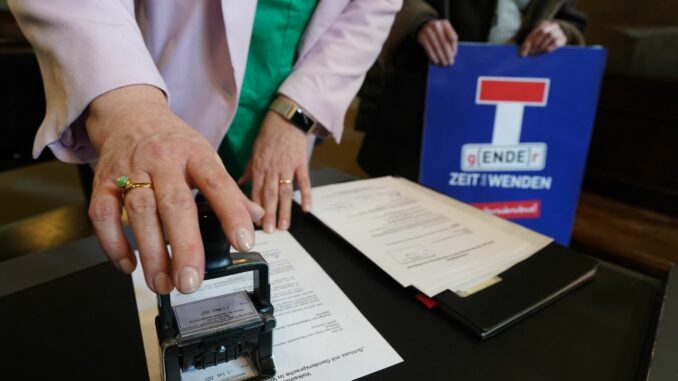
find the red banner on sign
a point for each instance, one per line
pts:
(502, 90)
(512, 209)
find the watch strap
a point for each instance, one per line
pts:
(294, 114)
(283, 108)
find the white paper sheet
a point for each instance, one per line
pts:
(536, 240)
(472, 275)
(320, 334)
(421, 238)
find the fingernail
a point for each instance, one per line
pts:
(268, 227)
(189, 281)
(162, 283)
(244, 239)
(257, 212)
(126, 265)
(283, 225)
(306, 207)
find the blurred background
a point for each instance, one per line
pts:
(628, 211)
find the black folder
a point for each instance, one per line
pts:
(524, 288)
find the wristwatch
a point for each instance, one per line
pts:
(295, 115)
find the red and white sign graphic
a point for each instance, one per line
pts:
(510, 95)
(512, 209)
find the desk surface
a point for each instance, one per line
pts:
(85, 324)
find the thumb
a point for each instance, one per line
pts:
(525, 48)
(247, 175)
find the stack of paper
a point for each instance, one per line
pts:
(320, 334)
(422, 238)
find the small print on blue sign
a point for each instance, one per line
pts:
(510, 135)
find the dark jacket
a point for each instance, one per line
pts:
(392, 98)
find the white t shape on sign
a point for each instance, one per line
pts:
(509, 95)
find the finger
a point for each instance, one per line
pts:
(285, 202)
(449, 52)
(228, 202)
(551, 47)
(544, 37)
(247, 175)
(543, 43)
(257, 190)
(270, 202)
(453, 52)
(255, 210)
(527, 45)
(423, 39)
(429, 51)
(304, 184)
(430, 33)
(436, 43)
(538, 35)
(561, 41)
(143, 218)
(179, 215)
(452, 39)
(105, 212)
(448, 31)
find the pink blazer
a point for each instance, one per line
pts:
(196, 52)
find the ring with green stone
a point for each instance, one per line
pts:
(126, 184)
(122, 182)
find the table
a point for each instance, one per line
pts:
(84, 325)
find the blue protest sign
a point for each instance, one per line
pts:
(510, 135)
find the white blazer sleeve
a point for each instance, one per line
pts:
(328, 76)
(85, 48)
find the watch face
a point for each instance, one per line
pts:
(303, 121)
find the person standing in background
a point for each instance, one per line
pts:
(427, 31)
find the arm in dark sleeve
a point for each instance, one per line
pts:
(401, 41)
(411, 17)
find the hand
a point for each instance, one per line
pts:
(439, 40)
(137, 135)
(545, 38)
(279, 154)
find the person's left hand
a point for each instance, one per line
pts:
(279, 154)
(545, 38)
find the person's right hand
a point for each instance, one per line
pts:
(137, 135)
(439, 40)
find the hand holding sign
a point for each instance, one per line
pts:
(439, 40)
(545, 38)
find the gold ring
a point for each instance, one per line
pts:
(285, 181)
(126, 184)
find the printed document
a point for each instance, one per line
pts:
(320, 334)
(421, 239)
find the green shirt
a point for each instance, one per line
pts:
(278, 27)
